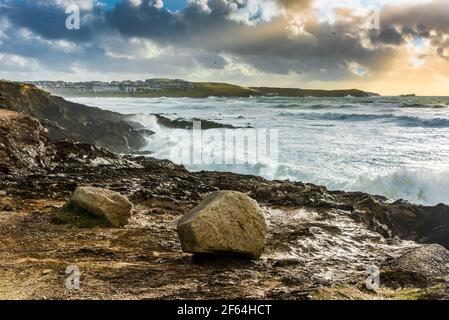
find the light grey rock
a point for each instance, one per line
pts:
(116, 208)
(226, 222)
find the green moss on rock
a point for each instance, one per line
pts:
(73, 215)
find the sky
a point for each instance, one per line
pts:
(173, 5)
(385, 46)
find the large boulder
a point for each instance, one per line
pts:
(226, 222)
(113, 206)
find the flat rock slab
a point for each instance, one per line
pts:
(226, 222)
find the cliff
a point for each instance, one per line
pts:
(67, 120)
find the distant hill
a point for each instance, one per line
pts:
(289, 92)
(182, 88)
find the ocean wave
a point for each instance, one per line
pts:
(404, 121)
(424, 106)
(361, 104)
(177, 145)
(335, 116)
(149, 121)
(422, 186)
(316, 106)
(429, 123)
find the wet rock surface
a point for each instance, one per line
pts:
(188, 124)
(419, 267)
(225, 222)
(74, 153)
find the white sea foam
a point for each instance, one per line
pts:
(421, 186)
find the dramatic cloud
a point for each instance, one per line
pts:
(267, 42)
(296, 4)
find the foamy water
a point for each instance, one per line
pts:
(396, 147)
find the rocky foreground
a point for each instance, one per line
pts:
(319, 242)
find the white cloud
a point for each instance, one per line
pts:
(356, 69)
(63, 45)
(135, 3)
(417, 62)
(255, 11)
(159, 4)
(202, 5)
(59, 45)
(326, 8)
(131, 49)
(16, 63)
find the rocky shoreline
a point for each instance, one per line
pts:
(319, 244)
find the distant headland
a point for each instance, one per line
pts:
(182, 88)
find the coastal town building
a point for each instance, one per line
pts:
(113, 87)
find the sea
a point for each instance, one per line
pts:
(397, 147)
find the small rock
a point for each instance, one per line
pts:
(225, 222)
(47, 271)
(113, 206)
(8, 208)
(3, 167)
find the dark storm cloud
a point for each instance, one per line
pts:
(210, 60)
(268, 47)
(389, 35)
(48, 20)
(429, 15)
(147, 21)
(205, 31)
(426, 20)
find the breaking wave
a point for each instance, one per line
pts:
(422, 186)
